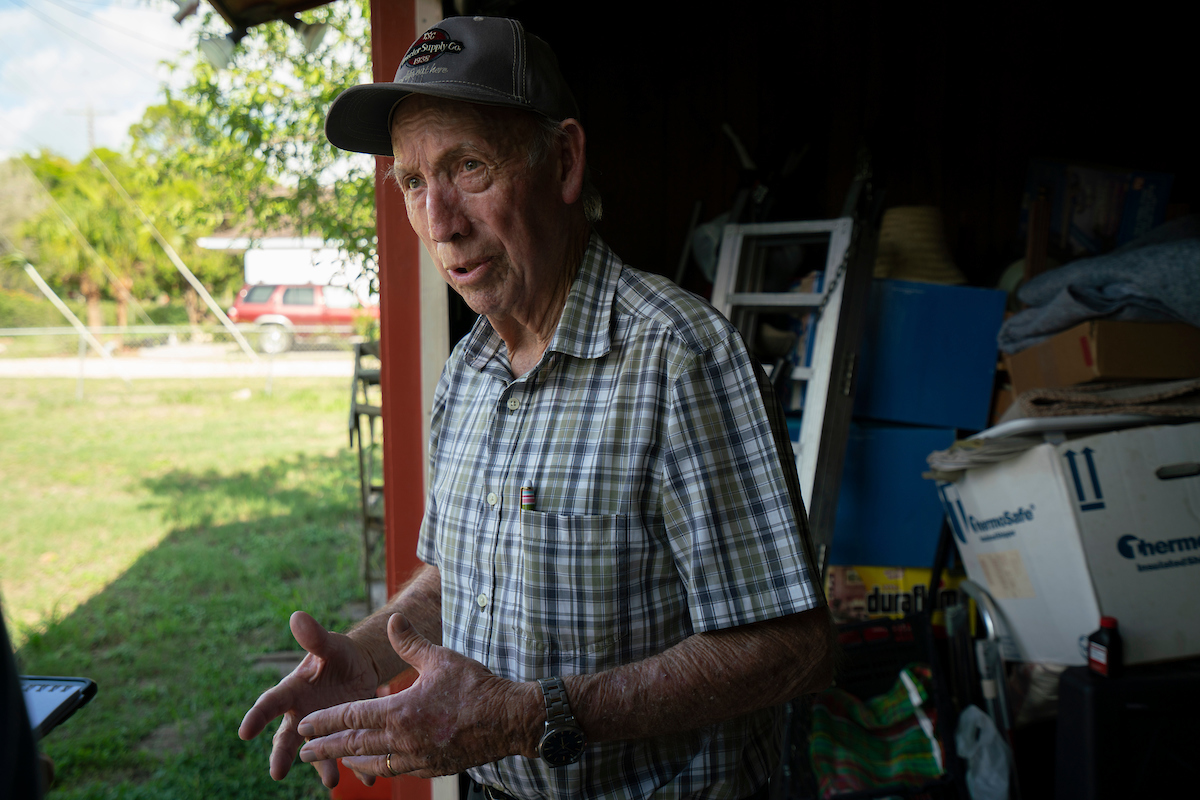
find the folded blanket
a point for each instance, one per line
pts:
(886, 740)
(1155, 278)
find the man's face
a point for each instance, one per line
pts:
(491, 224)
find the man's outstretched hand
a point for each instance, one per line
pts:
(336, 670)
(457, 714)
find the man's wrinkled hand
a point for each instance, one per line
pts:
(334, 671)
(457, 714)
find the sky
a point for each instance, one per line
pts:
(60, 58)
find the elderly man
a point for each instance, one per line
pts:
(618, 592)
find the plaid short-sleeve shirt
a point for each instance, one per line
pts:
(661, 511)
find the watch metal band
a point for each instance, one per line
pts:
(554, 690)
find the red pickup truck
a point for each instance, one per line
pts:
(284, 312)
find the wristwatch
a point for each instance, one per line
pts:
(563, 740)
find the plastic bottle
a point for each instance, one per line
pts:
(1105, 652)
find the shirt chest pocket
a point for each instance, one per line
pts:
(574, 581)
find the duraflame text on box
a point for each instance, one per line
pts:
(1105, 524)
(857, 593)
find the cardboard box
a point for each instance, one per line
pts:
(857, 593)
(887, 513)
(1104, 524)
(1108, 350)
(928, 355)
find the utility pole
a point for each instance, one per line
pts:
(91, 115)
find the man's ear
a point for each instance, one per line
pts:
(572, 160)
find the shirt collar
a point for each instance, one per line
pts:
(585, 325)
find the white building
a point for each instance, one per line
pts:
(291, 259)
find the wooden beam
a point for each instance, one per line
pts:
(393, 29)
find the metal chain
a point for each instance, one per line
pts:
(864, 174)
(841, 270)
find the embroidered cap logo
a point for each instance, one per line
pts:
(433, 44)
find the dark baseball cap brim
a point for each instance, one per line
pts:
(358, 118)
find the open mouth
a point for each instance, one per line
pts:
(469, 267)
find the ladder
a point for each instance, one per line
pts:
(749, 263)
(366, 436)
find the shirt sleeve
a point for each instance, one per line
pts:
(738, 534)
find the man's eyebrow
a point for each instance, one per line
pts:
(459, 152)
(443, 159)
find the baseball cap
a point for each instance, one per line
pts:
(488, 60)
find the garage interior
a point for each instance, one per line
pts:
(948, 106)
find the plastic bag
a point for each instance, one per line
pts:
(986, 753)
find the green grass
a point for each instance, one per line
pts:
(155, 539)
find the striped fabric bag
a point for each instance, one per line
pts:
(887, 740)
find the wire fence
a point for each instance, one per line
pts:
(143, 352)
(197, 341)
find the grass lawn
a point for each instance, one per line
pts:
(155, 538)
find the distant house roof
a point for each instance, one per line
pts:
(236, 241)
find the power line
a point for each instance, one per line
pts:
(55, 24)
(176, 260)
(132, 34)
(111, 3)
(109, 272)
(23, 137)
(36, 83)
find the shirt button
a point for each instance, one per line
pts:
(482, 600)
(492, 498)
(513, 404)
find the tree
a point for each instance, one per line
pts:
(252, 134)
(56, 248)
(237, 148)
(20, 198)
(105, 252)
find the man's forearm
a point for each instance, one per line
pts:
(420, 600)
(707, 678)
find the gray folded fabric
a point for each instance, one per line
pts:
(1154, 279)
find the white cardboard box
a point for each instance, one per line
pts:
(1105, 524)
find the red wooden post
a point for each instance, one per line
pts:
(393, 29)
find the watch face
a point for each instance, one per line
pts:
(562, 746)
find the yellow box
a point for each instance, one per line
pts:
(860, 593)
